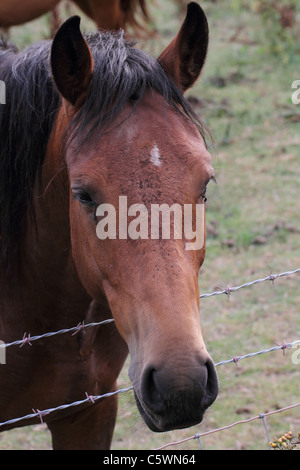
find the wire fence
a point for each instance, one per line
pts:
(27, 339)
(261, 416)
(91, 399)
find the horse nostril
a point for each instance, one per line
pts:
(150, 390)
(211, 386)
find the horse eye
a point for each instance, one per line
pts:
(203, 194)
(84, 198)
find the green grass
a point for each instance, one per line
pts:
(244, 95)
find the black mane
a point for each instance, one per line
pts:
(25, 125)
(121, 73)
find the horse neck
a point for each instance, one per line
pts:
(48, 244)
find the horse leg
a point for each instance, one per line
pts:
(102, 353)
(106, 13)
(89, 429)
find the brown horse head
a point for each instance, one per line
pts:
(132, 144)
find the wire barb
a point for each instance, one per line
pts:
(272, 278)
(284, 346)
(40, 414)
(227, 291)
(234, 359)
(79, 327)
(25, 340)
(91, 398)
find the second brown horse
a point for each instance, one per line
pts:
(107, 14)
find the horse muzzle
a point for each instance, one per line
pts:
(173, 397)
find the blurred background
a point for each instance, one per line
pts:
(253, 215)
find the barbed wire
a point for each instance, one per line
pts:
(248, 420)
(237, 359)
(89, 399)
(95, 398)
(229, 289)
(27, 339)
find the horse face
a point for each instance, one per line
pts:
(150, 156)
(151, 284)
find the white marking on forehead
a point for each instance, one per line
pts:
(155, 157)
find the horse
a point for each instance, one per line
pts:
(107, 14)
(89, 119)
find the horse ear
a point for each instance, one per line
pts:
(184, 58)
(71, 62)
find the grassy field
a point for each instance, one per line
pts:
(253, 216)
